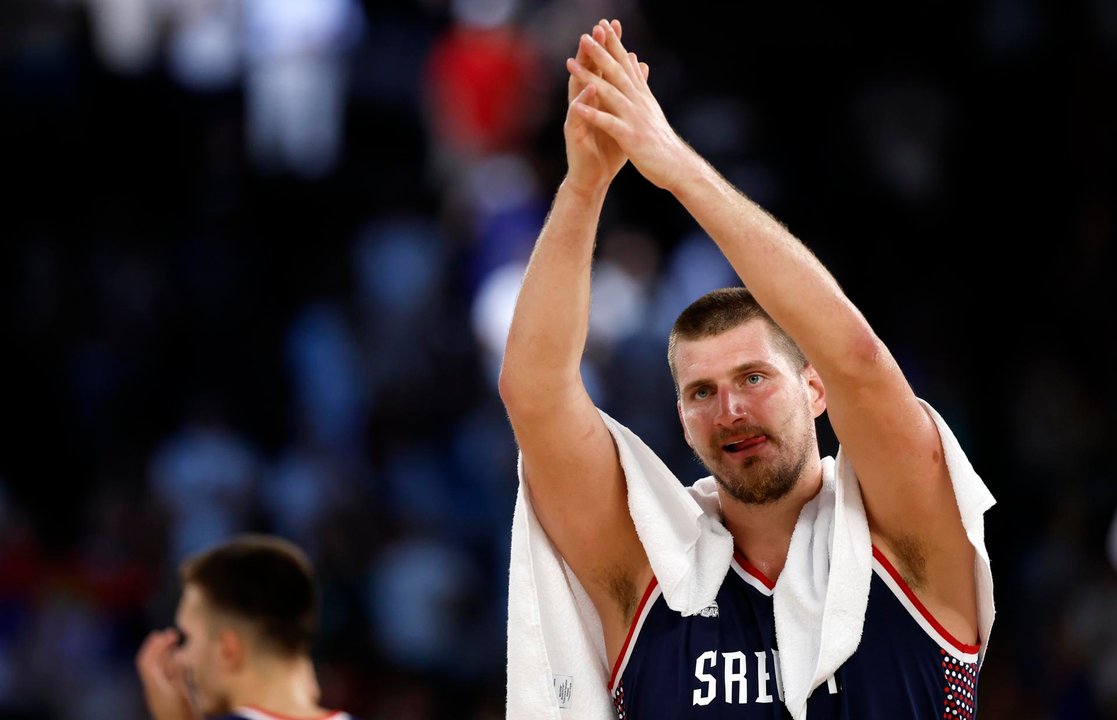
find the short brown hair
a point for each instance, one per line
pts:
(719, 311)
(264, 580)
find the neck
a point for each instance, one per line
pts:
(279, 685)
(763, 532)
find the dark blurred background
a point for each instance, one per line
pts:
(258, 258)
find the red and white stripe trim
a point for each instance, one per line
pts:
(891, 577)
(650, 596)
(253, 712)
(754, 577)
(750, 574)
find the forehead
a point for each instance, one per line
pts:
(751, 342)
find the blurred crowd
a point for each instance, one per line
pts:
(259, 256)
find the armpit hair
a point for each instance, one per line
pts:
(621, 589)
(912, 560)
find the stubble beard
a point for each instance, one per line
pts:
(759, 482)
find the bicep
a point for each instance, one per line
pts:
(894, 446)
(895, 449)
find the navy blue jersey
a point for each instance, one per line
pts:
(724, 663)
(255, 713)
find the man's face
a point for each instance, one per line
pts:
(200, 654)
(747, 411)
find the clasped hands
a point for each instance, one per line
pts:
(614, 117)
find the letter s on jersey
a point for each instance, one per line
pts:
(705, 696)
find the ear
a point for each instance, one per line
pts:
(232, 651)
(815, 389)
(686, 433)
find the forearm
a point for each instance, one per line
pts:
(783, 274)
(550, 323)
(790, 283)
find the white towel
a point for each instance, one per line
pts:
(556, 653)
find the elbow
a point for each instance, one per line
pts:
(517, 390)
(866, 357)
(507, 386)
(531, 393)
(866, 350)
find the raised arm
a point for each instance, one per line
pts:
(892, 442)
(569, 459)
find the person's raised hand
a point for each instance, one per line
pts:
(163, 678)
(593, 157)
(617, 101)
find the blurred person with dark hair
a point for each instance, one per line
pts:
(870, 570)
(246, 621)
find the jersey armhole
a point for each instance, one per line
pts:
(919, 612)
(653, 591)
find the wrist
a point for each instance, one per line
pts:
(587, 191)
(690, 169)
(692, 174)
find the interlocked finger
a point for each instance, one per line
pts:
(612, 44)
(616, 72)
(609, 96)
(574, 86)
(609, 124)
(641, 68)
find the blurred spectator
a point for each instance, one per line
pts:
(399, 271)
(301, 488)
(693, 268)
(492, 313)
(325, 368)
(297, 55)
(204, 48)
(500, 207)
(484, 86)
(622, 289)
(418, 588)
(126, 33)
(205, 476)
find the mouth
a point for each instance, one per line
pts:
(743, 445)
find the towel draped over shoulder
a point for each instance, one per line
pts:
(557, 667)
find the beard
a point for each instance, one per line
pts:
(757, 481)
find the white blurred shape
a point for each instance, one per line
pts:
(492, 312)
(125, 33)
(204, 44)
(485, 14)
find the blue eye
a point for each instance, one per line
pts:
(702, 393)
(753, 379)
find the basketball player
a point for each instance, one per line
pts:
(241, 649)
(753, 369)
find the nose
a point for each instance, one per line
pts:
(731, 407)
